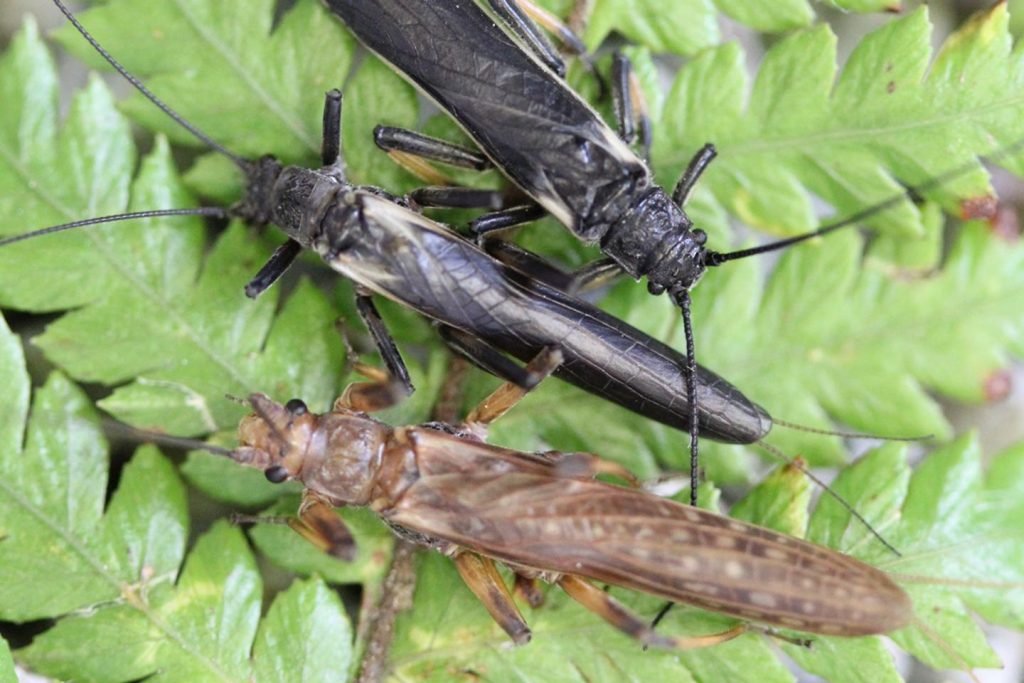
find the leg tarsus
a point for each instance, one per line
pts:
(273, 269)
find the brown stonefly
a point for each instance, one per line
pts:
(547, 518)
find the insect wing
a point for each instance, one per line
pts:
(518, 510)
(546, 138)
(427, 267)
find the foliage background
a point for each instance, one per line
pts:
(838, 349)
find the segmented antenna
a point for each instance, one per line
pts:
(715, 258)
(775, 452)
(848, 435)
(241, 162)
(209, 211)
(165, 439)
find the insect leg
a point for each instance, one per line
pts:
(530, 590)
(506, 218)
(330, 152)
(319, 524)
(481, 577)
(528, 263)
(517, 16)
(274, 268)
(591, 275)
(508, 394)
(411, 150)
(391, 139)
(330, 147)
(698, 164)
(609, 609)
(630, 105)
(386, 387)
(487, 358)
(382, 339)
(594, 274)
(458, 197)
(587, 466)
(553, 25)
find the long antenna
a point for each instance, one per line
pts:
(863, 436)
(715, 258)
(210, 211)
(775, 452)
(165, 439)
(241, 162)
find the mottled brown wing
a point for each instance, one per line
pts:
(513, 507)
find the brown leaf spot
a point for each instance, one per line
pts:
(894, 9)
(974, 208)
(998, 385)
(890, 87)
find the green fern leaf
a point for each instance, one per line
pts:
(124, 605)
(833, 336)
(890, 117)
(255, 89)
(687, 26)
(149, 306)
(7, 672)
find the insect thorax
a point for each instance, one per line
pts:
(654, 239)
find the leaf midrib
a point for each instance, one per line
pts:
(167, 307)
(113, 581)
(809, 145)
(252, 82)
(895, 326)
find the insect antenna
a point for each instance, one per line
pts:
(210, 211)
(797, 463)
(715, 258)
(164, 439)
(848, 435)
(244, 164)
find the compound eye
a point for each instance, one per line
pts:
(275, 474)
(699, 236)
(296, 407)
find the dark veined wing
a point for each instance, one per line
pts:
(420, 264)
(523, 116)
(486, 500)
